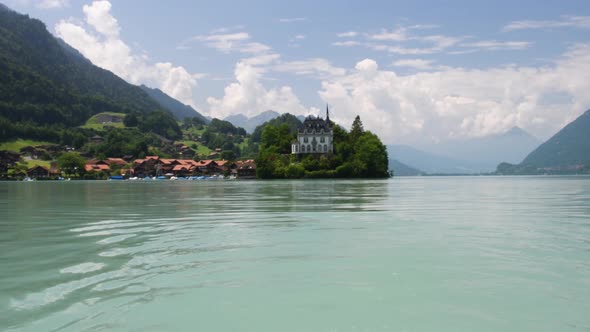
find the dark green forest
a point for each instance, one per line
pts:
(47, 88)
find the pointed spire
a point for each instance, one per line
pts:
(327, 114)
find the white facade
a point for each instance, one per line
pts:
(314, 136)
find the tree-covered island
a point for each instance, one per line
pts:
(319, 148)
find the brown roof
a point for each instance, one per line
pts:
(221, 162)
(38, 166)
(116, 161)
(95, 167)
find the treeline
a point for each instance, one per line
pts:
(357, 154)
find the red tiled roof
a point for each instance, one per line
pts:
(116, 161)
(94, 167)
(167, 161)
(180, 168)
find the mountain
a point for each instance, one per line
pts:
(431, 163)
(401, 169)
(46, 85)
(488, 151)
(178, 109)
(240, 120)
(569, 147)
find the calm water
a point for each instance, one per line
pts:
(408, 254)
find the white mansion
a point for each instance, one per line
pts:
(314, 136)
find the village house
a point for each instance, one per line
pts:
(246, 169)
(38, 172)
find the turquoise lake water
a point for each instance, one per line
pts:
(406, 254)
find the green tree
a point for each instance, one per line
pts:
(71, 163)
(357, 129)
(372, 154)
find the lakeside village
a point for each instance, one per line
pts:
(316, 148)
(314, 137)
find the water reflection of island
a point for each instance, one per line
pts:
(328, 195)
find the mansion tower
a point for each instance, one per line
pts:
(314, 136)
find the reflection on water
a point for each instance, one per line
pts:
(469, 253)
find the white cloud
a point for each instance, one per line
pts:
(347, 43)
(348, 34)
(399, 34)
(317, 67)
(582, 22)
(299, 37)
(224, 42)
(494, 45)
(420, 64)
(261, 60)
(249, 97)
(292, 19)
(457, 102)
(50, 4)
(102, 45)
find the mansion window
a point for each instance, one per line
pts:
(322, 139)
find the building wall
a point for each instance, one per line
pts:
(304, 145)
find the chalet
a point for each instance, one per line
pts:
(38, 172)
(206, 167)
(115, 162)
(150, 166)
(314, 136)
(95, 165)
(246, 169)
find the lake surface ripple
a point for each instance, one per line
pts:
(407, 254)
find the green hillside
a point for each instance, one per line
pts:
(106, 119)
(178, 109)
(566, 152)
(46, 85)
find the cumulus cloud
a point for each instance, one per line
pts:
(99, 41)
(582, 22)
(249, 97)
(457, 102)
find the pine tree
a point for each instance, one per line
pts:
(357, 129)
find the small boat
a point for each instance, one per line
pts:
(117, 177)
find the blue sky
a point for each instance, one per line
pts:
(417, 72)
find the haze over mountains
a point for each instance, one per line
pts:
(240, 120)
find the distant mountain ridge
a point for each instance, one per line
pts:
(483, 154)
(178, 109)
(431, 163)
(401, 169)
(568, 151)
(240, 120)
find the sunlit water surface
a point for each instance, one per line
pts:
(407, 254)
